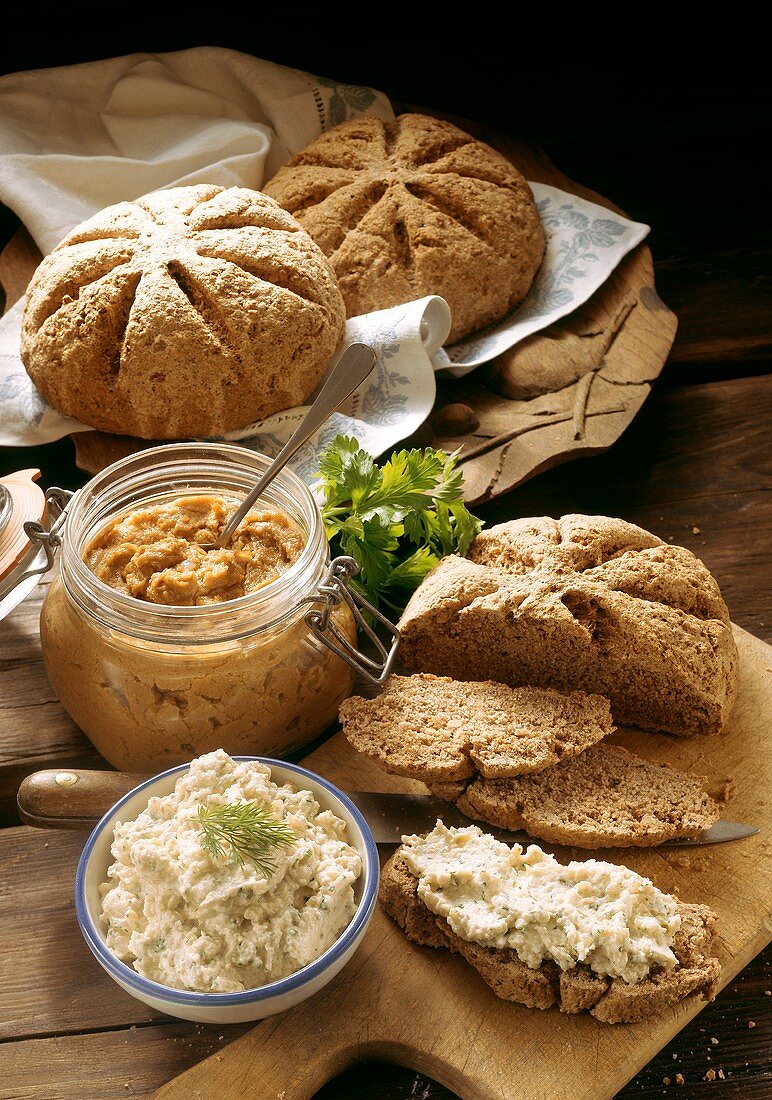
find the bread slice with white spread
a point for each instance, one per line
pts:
(609, 999)
(582, 603)
(441, 730)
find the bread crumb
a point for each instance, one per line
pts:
(710, 1075)
(768, 992)
(721, 1075)
(751, 1023)
(714, 1040)
(679, 1079)
(696, 530)
(665, 1080)
(674, 1057)
(723, 790)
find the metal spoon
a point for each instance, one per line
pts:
(349, 372)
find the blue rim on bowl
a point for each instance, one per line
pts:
(126, 974)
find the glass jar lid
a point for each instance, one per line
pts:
(22, 501)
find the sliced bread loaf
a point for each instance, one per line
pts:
(584, 602)
(441, 730)
(607, 797)
(611, 1000)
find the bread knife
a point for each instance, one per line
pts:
(390, 816)
(73, 798)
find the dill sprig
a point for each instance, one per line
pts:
(246, 830)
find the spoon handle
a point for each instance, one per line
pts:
(349, 372)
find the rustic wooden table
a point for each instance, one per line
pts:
(694, 467)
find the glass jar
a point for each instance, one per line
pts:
(155, 685)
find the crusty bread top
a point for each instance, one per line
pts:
(612, 1001)
(437, 729)
(414, 207)
(584, 602)
(611, 552)
(189, 312)
(607, 797)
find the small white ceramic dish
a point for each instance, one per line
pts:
(252, 1004)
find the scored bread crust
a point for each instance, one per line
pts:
(441, 730)
(606, 797)
(191, 311)
(610, 1000)
(412, 207)
(585, 603)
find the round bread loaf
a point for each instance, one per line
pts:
(583, 603)
(192, 311)
(414, 207)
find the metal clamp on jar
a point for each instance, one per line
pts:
(153, 685)
(24, 512)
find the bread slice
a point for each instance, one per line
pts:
(582, 603)
(607, 797)
(610, 1000)
(441, 730)
(449, 792)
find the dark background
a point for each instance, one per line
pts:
(636, 102)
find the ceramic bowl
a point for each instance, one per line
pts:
(251, 1004)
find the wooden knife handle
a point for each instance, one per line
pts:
(71, 798)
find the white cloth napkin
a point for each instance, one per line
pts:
(75, 139)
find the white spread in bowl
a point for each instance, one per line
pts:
(190, 920)
(608, 917)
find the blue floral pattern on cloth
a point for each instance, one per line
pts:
(343, 101)
(397, 397)
(17, 391)
(585, 242)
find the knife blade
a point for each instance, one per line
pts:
(77, 798)
(392, 815)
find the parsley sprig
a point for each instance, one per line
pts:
(245, 831)
(396, 519)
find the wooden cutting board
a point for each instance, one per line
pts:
(428, 1010)
(587, 375)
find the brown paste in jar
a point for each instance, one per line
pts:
(147, 703)
(157, 554)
